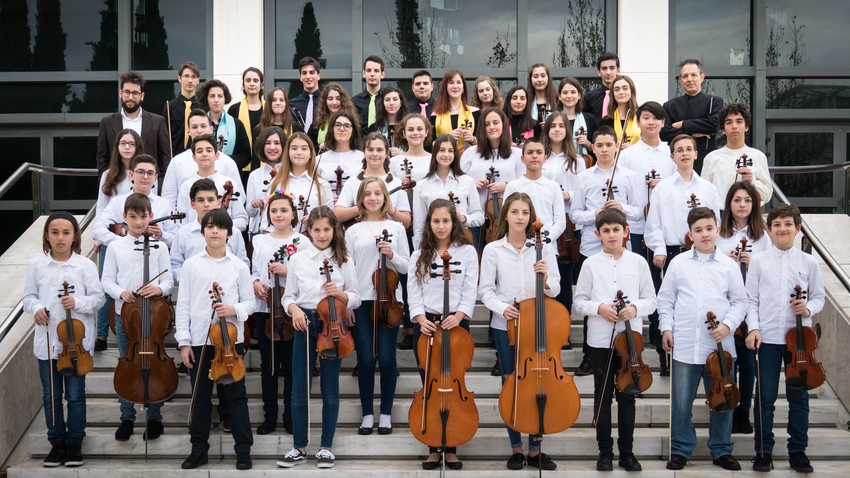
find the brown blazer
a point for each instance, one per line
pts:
(154, 135)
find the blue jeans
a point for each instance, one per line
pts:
(686, 379)
(746, 373)
(387, 339)
(771, 357)
(328, 380)
(506, 353)
(128, 410)
(103, 313)
(75, 393)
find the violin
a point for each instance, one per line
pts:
(539, 397)
(335, 341)
(804, 372)
(339, 181)
(567, 244)
(121, 228)
(386, 308)
(391, 135)
(745, 162)
(404, 187)
(221, 143)
(228, 195)
(302, 204)
(443, 413)
(742, 331)
(407, 167)
(493, 205)
(649, 177)
(146, 374)
(693, 203)
(724, 395)
(279, 325)
(227, 366)
(75, 360)
(609, 191)
(588, 159)
(466, 231)
(634, 376)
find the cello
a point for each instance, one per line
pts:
(75, 360)
(634, 376)
(492, 206)
(693, 203)
(724, 395)
(279, 324)
(385, 310)
(804, 372)
(588, 159)
(335, 341)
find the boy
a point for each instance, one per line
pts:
(602, 276)
(366, 101)
(423, 87)
(544, 192)
(307, 102)
(123, 272)
(205, 154)
(721, 168)
(192, 325)
(696, 283)
(772, 277)
(188, 75)
(596, 101)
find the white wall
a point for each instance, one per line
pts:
(237, 41)
(642, 37)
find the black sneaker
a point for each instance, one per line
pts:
(665, 371)
(584, 368)
(762, 462)
(56, 457)
(74, 452)
(316, 371)
(154, 430)
(605, 462)
(196, 459)
(100, 345)
(243, 460)
(354, 371)
(629, 462)
(267, 427)
(183, 369)
(516, 461)
(224, 424)
(406, 343)
(542, 461)
(798, 460)
(496, 371)
(124, 430)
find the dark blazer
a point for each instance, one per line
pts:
(154, 135)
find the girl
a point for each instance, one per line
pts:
(269, 149)
(571, 99)
(493, 148)
(445, 176)
(343, 145)
(413, 133)
(305, 288)
(280, 213)
(741, 219)
(61, 263)
(388, 114)
(250, 110)
(452, 115)
(278, 113)
(366, 247)
(334, 98)
(508, 274)
(442, 234)
(518, 111)
(625, 104)
(544, 97)
(375, 164)
(299, 177)
(486, 94)
(213, 95)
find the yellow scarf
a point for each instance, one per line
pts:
(632, 129)
(443, 125)
(246, 121)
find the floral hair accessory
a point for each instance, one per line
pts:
(278, 192)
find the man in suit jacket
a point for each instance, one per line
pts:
(150, 126)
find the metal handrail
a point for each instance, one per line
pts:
(816, 168)
(37, 168)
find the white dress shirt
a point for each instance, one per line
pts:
(694, 285)
(600, 278)
(302, 185)
(641, 159)
(719, 169)
(113, 213)
(264, 248)
(555, 168)
(42, 288)
(305, 281)
(771, 279)
(591, 195)
(432, 187)
(189, 241)
(348, 197)
(194, 314)
(509, 169)
(351, 163)
(236, 209)
(725, 245)
(124, 268)
(133, 124)
(182, 166)
(507, 275)
(419, 169)
(548, 202)
(463, 287)
(363, 251)
(667, 222)
(258, 187)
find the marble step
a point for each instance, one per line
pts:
(488, 443)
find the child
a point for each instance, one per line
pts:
(413, 133)
(520, 120)
(192, 327)
(123, 272)
(366, 248)
(602, 276)
(509, 274)
(281, 215)
(442, 234)
(268, 147)
(772, 277)
(697, 282)
(46, 274)
(306, 286)
(343, 147)
(622, 111)
(542, 90)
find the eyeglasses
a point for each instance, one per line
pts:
(134, 94)
(189, 77)
(342, 126)
(143, 173)
(124, 144)
(684, 150)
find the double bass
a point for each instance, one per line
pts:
(386, 310)
(492, 206)
(724, 395)
(335, 341)
(279, 324)
(633, 376)
(693, 203)
(75, 360)
(804, 372)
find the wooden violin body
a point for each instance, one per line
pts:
(491, 210)
(227, 365)
(74, 360)
(724, 395)
(633, 376)
(386, 310)
(588, 159)
(279, 325)
(334, 341)
(804, 372)
(567, 244)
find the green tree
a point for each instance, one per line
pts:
(308, 42)
(48, 54)
(502, 55)
(15, 54)
(407, 37)
(150, 41)
(98, 97)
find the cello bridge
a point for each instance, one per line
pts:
(543, 369)
(145, 353)
(443, 390)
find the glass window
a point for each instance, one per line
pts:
(808, 93)
(803, 149)
(158, 92)
(19, 151)
(566, 34)
(441, 33)
(74, 152)
(738, 90)
(807, 33)
(59, 98)
(165, 34)
(303, 30)
(716, 33)
(58, 36)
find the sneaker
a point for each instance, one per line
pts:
(354, 371)
(224, 424)
(798, 460)
(516, 461)
(406, 343)
(496, 371)
(326, 458)
(542, 461)
(56, 457)
(584, 368)
(154, 430)
(762, 462)
(293, 458)
(74, 452)
(243, 460)
(183, 369)
(124, 430)
(100, 345)
(316, 371)
(195, 459)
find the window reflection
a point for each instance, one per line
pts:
(19, 151)
(807, 33)
(74, 152)
(717, 33)
(303, 29)
(732, 91)
(803, 149)
(566, 34)
(808, 93)
(59, 97)
(167, 33)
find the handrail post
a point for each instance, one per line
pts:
(36, 195)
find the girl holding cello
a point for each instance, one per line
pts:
(61, 265)
(508, 275)
(320, 279)
(442, 233)
(377, 239)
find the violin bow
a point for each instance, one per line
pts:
(314, 175)
(607, 370)
(50, 361)
(198, 373)
(758, 394)
(617, 153)
(308, 376)
(149, 282)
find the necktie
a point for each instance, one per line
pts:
(187, 108)
(309, 119)
(605, 103)
(371, 120)
(423, 109)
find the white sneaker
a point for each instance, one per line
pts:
(326, 458)
(293, 458)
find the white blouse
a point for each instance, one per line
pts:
(432, 187)
(264, 248)
(305, 281)
(508, 169)
(361, 240)
(463, 287)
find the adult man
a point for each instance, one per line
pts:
(423, 87)
(694, 113)
(307, 102)
(596, 101)
(150, 126)
(367, 101)
(188, 75)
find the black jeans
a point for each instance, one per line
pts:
(625, 405)
(282, 368)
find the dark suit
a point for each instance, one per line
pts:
(154, 136)
(698, 114)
